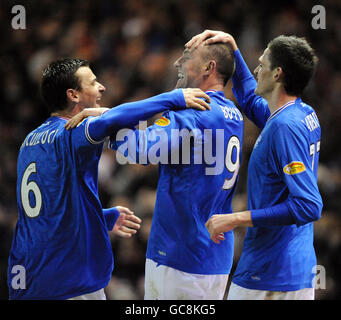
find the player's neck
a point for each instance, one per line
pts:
(279, 98)
(212, 85)
(68, 113)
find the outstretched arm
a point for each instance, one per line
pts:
(244, 84)
(87, 112)
(129, 114)
(160, 143)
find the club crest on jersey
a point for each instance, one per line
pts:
(162, 122)
(294, 167)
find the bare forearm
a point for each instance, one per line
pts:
(221, 223)
(243, 219)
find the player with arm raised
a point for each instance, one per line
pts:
(278, 257)
(61, 237)
(182, 261)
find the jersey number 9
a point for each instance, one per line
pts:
(232, 166)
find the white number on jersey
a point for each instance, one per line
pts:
(231, 166)
(26, 188)
(313, 151)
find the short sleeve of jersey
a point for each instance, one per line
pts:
(291, 158)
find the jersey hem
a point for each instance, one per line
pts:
(269, 287)
(68, 296)
(184, 269)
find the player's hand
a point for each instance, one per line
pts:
(193, 98)
(218, 224)
(79, 117)
(127, 223)
(209, 37)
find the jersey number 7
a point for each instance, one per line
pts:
(313, 151)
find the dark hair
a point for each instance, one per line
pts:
(297, 60)
(57, 78)
(223, 55)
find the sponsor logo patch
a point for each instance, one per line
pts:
(163, 122)
(294, 167)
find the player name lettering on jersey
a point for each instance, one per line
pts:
(312, 122)
(230, 113)
(42, 137)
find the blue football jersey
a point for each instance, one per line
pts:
(61, 237)
(282, 171)
(197, 178)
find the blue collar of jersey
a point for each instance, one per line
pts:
(290, 103)
(215, 91)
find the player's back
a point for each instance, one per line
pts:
(58, 214)
(188, 194)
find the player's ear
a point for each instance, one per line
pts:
(72, 95)
(210, 66)
(278, 74)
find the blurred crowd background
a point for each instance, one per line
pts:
(132, 45)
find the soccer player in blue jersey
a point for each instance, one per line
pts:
(181, 260)
(278, 257)
(61, 247)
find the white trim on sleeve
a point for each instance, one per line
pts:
(87, 135)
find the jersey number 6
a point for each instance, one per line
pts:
(26, 188)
